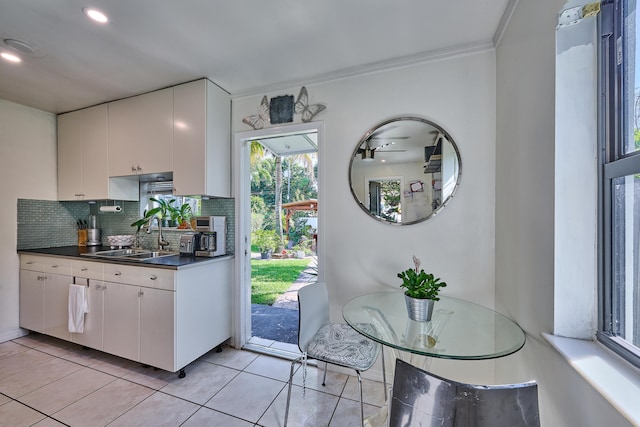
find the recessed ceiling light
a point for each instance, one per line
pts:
(96, 15)
(20, 46)
(10, 57)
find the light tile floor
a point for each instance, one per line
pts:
(46, 382)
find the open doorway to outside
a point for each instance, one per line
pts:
(281, 233)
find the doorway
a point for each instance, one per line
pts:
(285, 149)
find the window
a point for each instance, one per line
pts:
(163, 190)
(619, 315)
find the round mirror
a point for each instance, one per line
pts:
(404, 170)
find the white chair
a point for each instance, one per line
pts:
(334, 343)
(420, 398)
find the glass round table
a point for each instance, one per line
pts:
(458, 329)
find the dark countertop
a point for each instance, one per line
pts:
(85, 253)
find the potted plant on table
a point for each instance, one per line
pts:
(421, 291)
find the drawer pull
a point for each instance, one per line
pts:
(84, 269)
(29, 262)
(118, 274)
(153, 277)
(54, 266)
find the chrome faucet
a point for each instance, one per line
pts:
(161, 242)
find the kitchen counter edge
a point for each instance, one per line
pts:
(172, 262)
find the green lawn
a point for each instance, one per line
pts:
(271, 278)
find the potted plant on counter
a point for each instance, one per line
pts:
(421, 291)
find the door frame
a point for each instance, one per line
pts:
(241, 309)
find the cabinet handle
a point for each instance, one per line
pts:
(29, 262)
(138, 168)
(54, 266)
(140, 293)
(153, 277)
(84, 269)
(79, 194)
(118, 274)
(133, 168)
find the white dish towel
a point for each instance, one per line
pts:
(78, 306)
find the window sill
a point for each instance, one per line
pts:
(616, 380)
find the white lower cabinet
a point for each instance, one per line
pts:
(93, 320)
(44, 297)
(56, 305)
(157, 328)
(121, 332)
(160, 317)
(32, 300)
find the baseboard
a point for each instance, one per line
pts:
(11, 335)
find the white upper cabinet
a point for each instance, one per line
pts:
(185, 129)
(82, 154)
(201, 140)
(141, 134)
(82, 158)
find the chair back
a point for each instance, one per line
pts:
(422, 398)
(313, 304)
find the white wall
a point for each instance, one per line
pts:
(525, 75)
(28, 170)
(364, 255)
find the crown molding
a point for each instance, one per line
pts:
(504, 21)
(370, 68)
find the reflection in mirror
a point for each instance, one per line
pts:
(404, 170)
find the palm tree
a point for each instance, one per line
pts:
(278, 204)
(259, 169)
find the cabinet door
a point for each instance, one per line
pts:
(157, 328)
(189, 138)
(56, 305)
(123, 137)
(92, 335)
(201, 144)
(95, 152)
(121, 321)
(70, 156)
(155, 118)
(32, 300)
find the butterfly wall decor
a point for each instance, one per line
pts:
(301, 107)
(306, 111)
(257, 121)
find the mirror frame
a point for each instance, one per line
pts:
(366, 136)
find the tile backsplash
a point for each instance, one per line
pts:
(47, 223)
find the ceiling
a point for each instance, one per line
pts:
(247, 47)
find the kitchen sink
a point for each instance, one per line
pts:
(131, 254)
